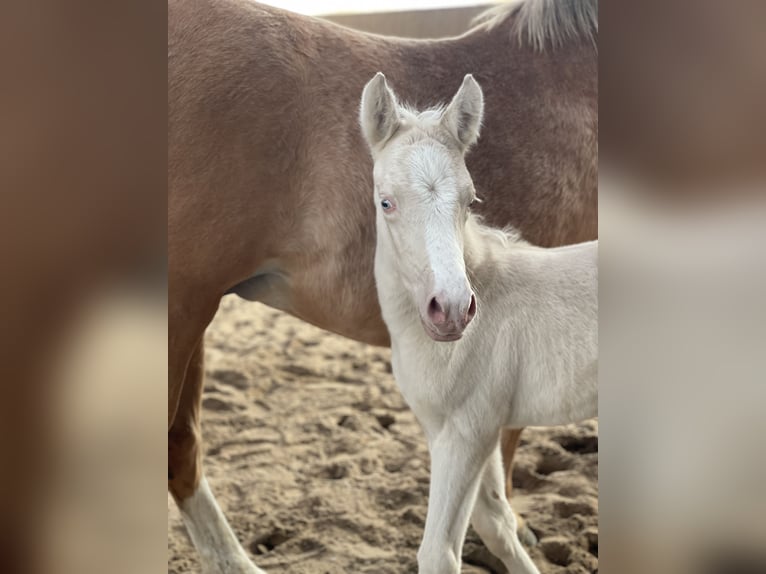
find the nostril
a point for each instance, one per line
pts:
(471, 308)
(436, 311)
(434, 307)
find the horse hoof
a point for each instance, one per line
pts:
(526, 536)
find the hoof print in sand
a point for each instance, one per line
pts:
(385, 420)
(230, 377)
(584, 444)
(567, 508)
(268, 542)
(554, 461)
(219, 405)
(335, 471)
(557, 550)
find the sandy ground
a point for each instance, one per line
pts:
(321, 468)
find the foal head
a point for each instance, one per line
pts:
(422, 194)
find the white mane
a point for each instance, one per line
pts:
(477, 229)
(540, 22)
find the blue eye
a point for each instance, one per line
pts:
(386, 204)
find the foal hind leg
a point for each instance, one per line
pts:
(495, 522)
(509, 442)
(210, 533)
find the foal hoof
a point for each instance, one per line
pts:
(526, 536)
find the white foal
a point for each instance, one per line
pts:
(487, 331)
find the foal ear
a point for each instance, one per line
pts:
(379, 112)
(465, 112)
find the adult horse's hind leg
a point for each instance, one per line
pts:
(495, 522)
(211, 535)
(509, 442)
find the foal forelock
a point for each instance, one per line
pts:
(541, 22)
(423, 123)
(431, 167)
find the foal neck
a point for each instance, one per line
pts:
(485, 244)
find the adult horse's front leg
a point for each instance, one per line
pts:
(218, 547)
(456, 465)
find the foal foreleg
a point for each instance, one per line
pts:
(495, 522)
(456, 464)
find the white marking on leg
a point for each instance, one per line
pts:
(218, 547)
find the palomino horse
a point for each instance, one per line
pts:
(521, 349)
(269, 178)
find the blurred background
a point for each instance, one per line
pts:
(326, 8)
(409, 18)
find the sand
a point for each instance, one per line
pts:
(321, 468)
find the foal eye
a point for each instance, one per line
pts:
(386, 204)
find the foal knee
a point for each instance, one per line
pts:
(437, 561)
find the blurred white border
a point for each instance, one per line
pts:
(316, 7)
